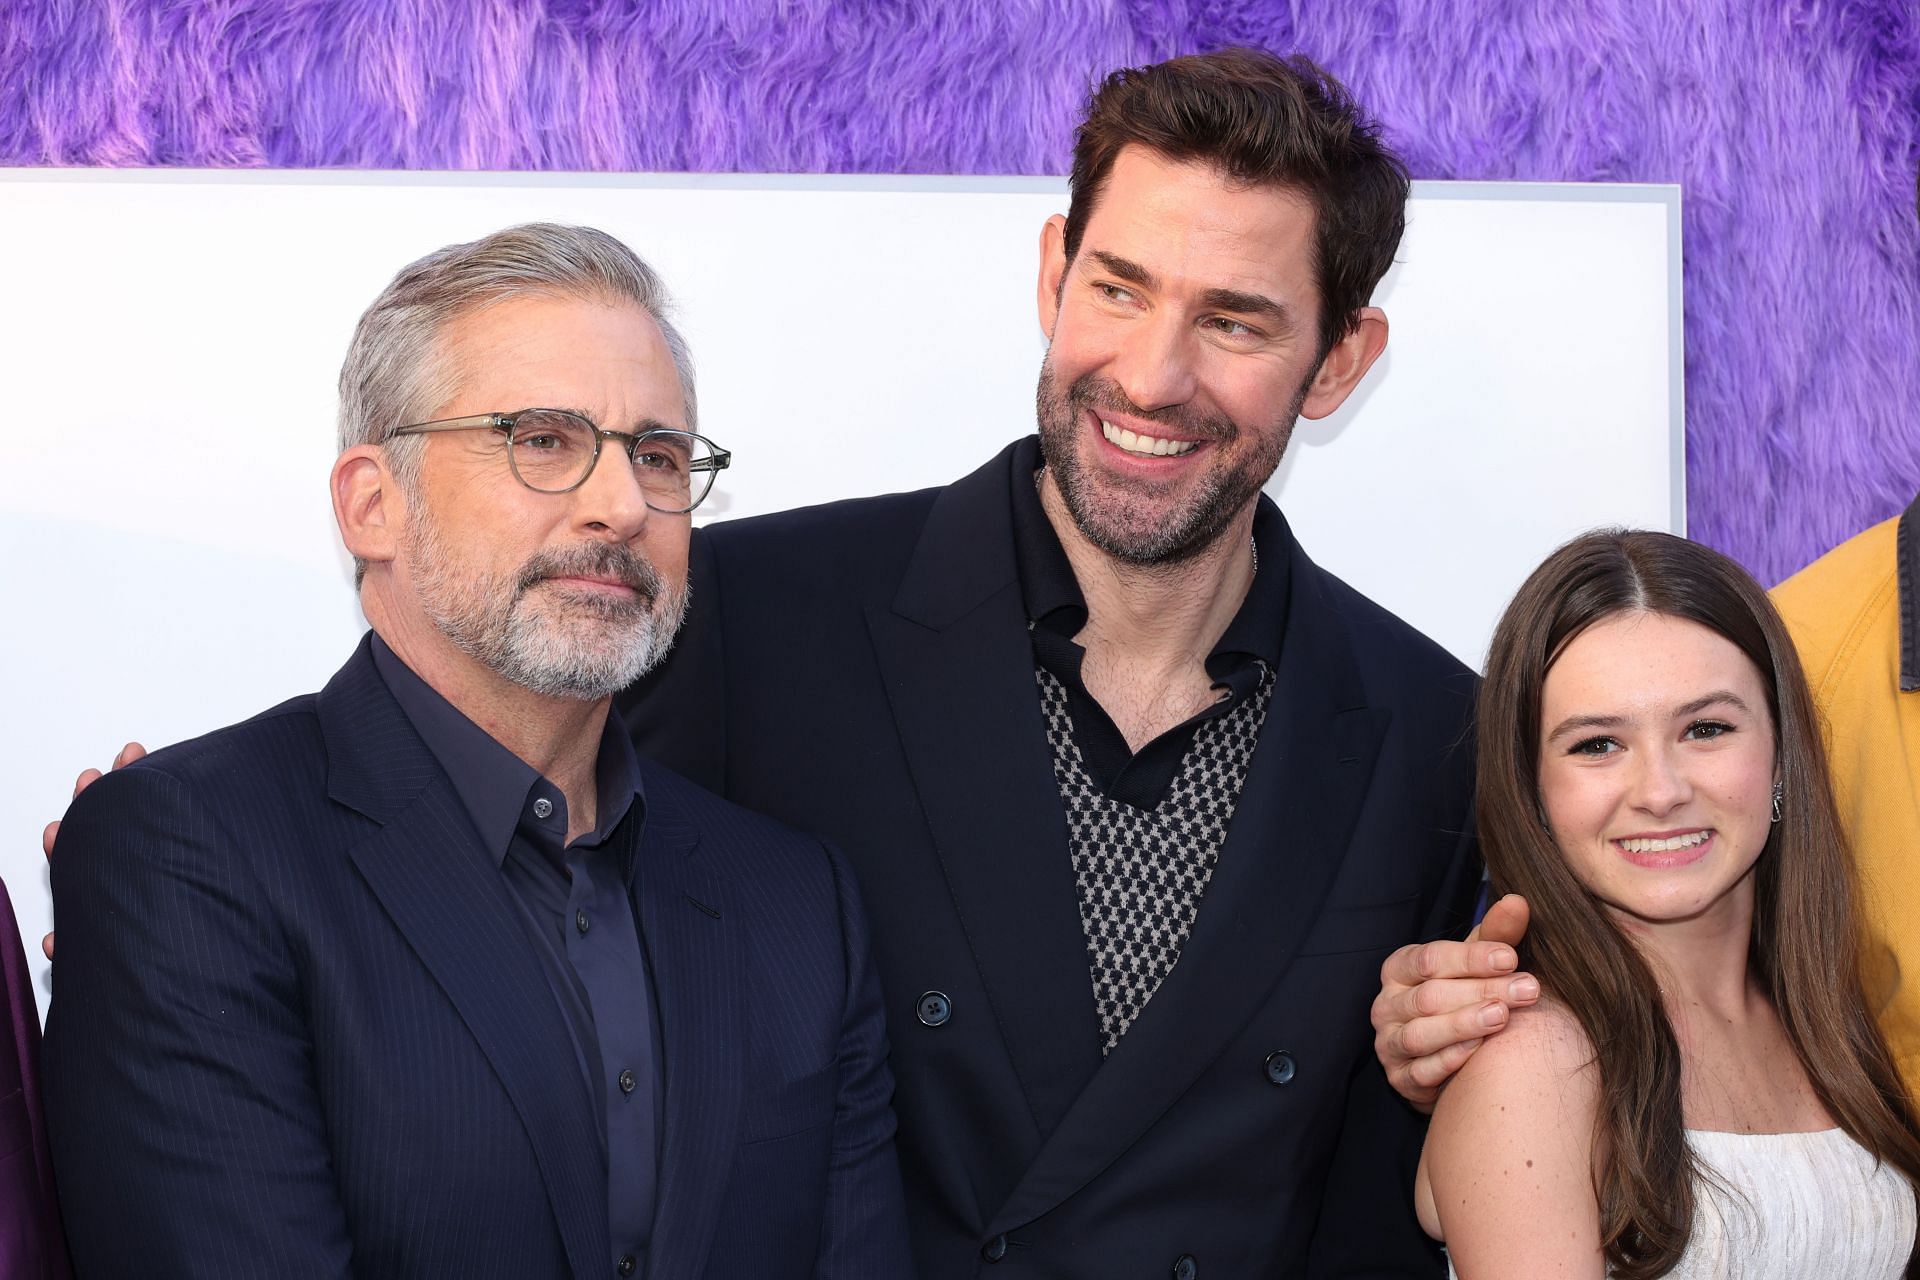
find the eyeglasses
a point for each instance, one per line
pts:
(554, 450)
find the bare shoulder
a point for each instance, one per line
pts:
(1507, 1174)
(1542, 1045)
(1534, 1083)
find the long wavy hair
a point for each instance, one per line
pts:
(1806, 933)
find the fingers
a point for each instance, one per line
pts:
(128, 754)
(1413, 1022)
(1445, 996)
(1419, 1080)
(51, 832)
(1421, 962)
(1423, 1020)
(1426, 1027)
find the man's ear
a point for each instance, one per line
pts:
(366, 503)
(1347, 362)
(1053, 270)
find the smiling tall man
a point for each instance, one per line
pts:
(1138, 795)
(426, 974)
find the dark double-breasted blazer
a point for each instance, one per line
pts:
(863, 670)
(300, 1028)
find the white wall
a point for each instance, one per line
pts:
(169, 344)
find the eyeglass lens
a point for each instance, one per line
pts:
(554, 451)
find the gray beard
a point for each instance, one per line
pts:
(583, 647)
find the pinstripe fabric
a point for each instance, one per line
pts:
(298, 1029)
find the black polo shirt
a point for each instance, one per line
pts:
(1057, 611)
(578, 902)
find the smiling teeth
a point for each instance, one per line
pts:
(1667, 845)
(1147, 446)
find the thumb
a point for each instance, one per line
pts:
(1505, 921)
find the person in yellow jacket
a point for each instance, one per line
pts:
(1855, 618)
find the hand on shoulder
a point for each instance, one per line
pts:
(128, 754)
(1439, 1000)
(1506, 1178)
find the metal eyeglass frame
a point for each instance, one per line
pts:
(720, 460)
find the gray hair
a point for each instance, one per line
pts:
(396, 371)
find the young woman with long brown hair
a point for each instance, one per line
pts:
(1703, 1090)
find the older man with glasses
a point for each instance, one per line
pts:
(426, 974)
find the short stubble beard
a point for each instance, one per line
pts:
(1114, 523)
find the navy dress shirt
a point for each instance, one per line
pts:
(578, 901)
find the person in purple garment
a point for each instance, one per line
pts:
(30, 1243)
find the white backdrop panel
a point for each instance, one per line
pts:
(171, 339)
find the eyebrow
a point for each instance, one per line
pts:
(1718, 697)
(1238, 301)
(1126, 268)
(645, 425)
(1243, 303)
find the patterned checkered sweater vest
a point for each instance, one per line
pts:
(1141, 873)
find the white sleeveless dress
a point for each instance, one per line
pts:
(1808, 1206)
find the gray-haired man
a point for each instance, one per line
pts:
(426, 974)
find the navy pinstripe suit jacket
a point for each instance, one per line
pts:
(299, 1028)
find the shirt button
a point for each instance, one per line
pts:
(543, 808)
(580, 921)
(627, 1265)
(1185, 1268)
(626, 1081)
(1279, 1067)
(933, 1008)
(994, 1249)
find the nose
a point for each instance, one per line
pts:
(1660, 784)
(610, 504)
(1155, 363)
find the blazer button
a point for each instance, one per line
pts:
(1279, 1067)
(934, 1009)
(627, 1266)
(994, 1249)
(1185, 1268)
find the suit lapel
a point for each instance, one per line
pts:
(958, 666)
(1303, 795)
(694, 957)
(460, 919)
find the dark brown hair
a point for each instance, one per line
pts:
(1806, 936)
(1260, 120)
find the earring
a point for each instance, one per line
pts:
(1779, 794)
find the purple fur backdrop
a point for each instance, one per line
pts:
(1793, 126)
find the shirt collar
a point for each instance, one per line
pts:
(493, 784)
(1054, 600)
